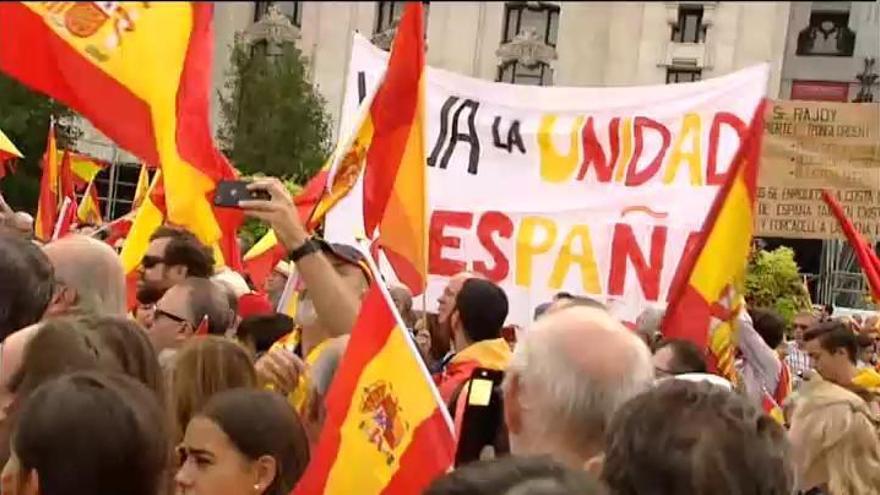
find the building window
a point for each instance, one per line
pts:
(689, 28)
(828, 34)
(542, 17)
(389, 12)
(116, 188)
(678, 75)
(517, 73)
(293, 11)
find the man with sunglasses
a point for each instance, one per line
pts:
(182, 310)
(173, 256)
(797, 358)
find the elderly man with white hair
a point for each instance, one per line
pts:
(89, 277)
(569, 375)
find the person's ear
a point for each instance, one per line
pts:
(595, 464)
(63, 298)
(512, 408)
(454, 321)
(177, 272)
(265, 470)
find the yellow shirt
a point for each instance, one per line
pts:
(868, 379)
(298, 397)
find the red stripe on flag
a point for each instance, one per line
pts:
(358, 354)
(68, 190)
(414, 474)
(32, 53)
(755, 136)
(311, 194)
(858, 243)
(259, 267)
(194, 139)
(393, 112)
(195, 142)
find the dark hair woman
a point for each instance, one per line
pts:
(128, 342)
(243, 442)
(88, 434)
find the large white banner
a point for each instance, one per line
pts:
(592, 191)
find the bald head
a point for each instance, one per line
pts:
(446, 302)
(90, 276)
(23, 223)
(569, 375)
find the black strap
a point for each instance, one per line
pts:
(307, 248)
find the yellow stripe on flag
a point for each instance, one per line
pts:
(147, 219)
(266, 243)
(142, 187)
(7, 148)
(729, 241)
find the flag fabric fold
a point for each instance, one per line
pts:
(141, 73)
(705, 302)
(47, 204)
(386, 432)
(863, 250)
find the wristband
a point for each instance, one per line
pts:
(308, 247)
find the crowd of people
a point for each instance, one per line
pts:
(202, 388)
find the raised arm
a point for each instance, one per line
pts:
(336, 304)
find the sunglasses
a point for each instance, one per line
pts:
(172, 317)
(151, 261)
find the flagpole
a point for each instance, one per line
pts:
(62, 215)
(377, 279)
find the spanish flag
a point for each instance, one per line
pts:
(863, 249)
(83, 167)
(141, 73)
(8, 152)
(89, 211)
(386, 432)
(47, 205)
(390, 140)
(704, 304)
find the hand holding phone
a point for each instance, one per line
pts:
(278, 210)
(230, 193)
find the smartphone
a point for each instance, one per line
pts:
(230, 192)
(482, 423)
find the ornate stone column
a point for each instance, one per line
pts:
(528, 49)
(274, 29)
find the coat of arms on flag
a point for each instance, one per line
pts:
(383, 424)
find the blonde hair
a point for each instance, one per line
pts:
(203, 367)
(841, 438)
